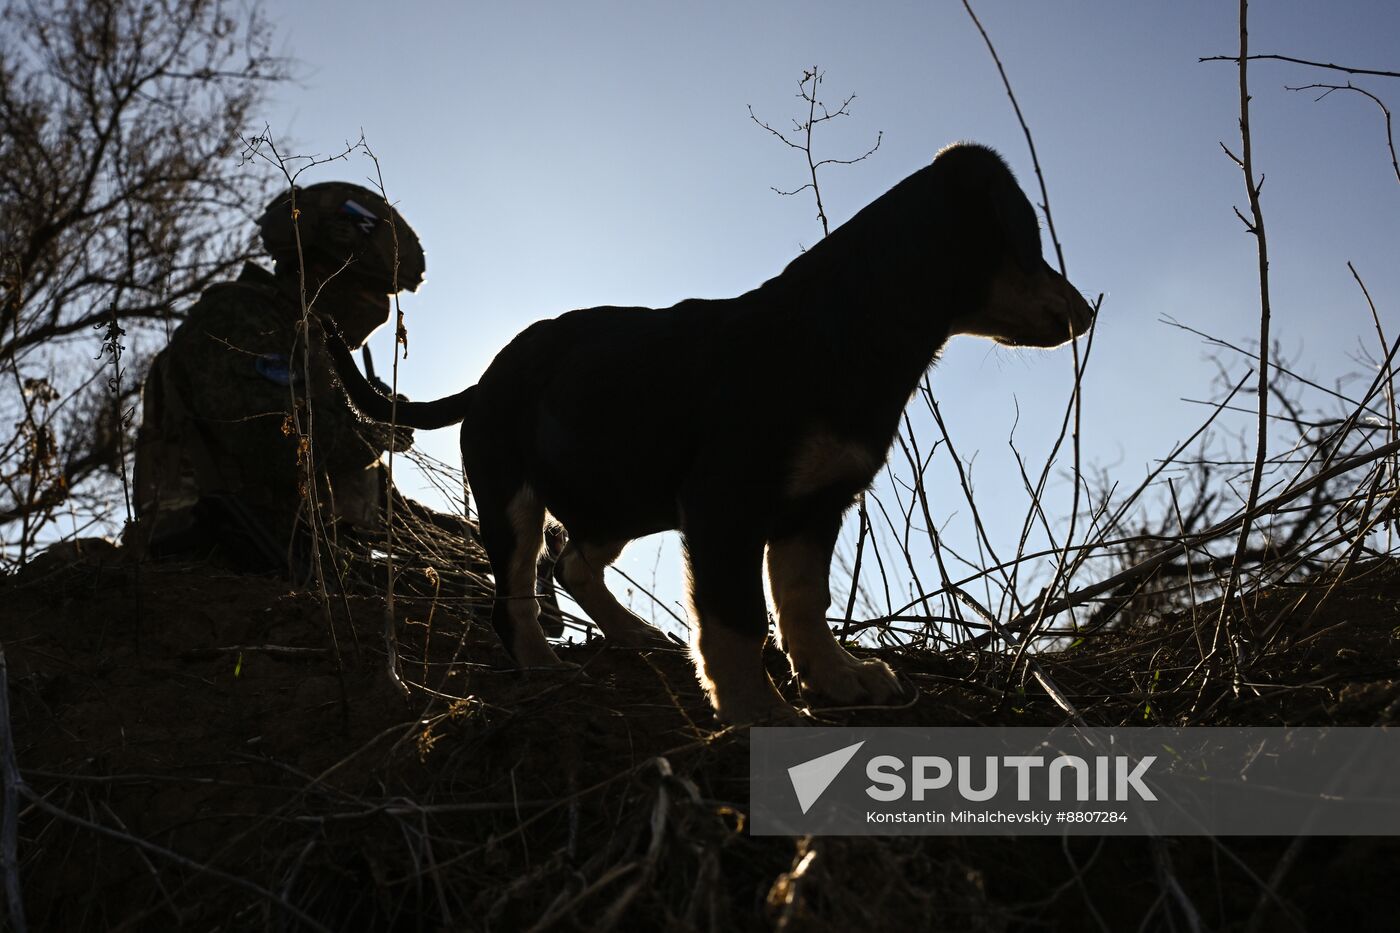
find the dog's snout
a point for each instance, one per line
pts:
(1036, 309)
(1078, 312)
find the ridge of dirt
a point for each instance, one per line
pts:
(214, 771)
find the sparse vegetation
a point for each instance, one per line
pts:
(231, 770)
(118, 120)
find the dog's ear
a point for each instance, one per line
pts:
(989, 205)
(1016, 220)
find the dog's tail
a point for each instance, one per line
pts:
(376, 406)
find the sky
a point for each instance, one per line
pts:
(554, 156)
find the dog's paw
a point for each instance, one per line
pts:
(532, 652)
(849, 681)
(751, 703)
(767, 714)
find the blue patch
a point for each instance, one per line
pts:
(360, 216)
(274, 367)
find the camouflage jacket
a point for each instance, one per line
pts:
(231, 407)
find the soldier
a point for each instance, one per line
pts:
(221, 466)
(220, 469)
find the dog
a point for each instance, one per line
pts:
(751, 424)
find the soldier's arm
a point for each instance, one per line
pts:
(248, 372)
(346, 423)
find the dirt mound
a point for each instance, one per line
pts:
(210, 751)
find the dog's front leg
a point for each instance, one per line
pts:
(799, 567)
(731, 623)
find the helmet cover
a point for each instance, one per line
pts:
(339, 223)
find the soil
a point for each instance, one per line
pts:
(222, 752)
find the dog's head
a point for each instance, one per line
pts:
(990, 231)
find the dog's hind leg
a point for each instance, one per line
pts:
(799, 567)
(731, 623)
(512, 530)
(551, 616)
(581, 569)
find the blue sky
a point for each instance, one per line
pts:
(562, 155)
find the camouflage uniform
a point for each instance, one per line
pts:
(219, 461)
(218, 421)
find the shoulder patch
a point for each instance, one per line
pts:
(274, 367)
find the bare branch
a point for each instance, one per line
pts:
(807, 91)
(1256, 227)
(1389, 132)
(1030, 143)
(1301, 61)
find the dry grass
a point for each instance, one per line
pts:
(210, 778)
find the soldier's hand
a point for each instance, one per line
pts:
(403, 437)
(402, 434)
(379, 434)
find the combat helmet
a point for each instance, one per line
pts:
(339, 221)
